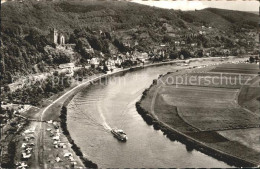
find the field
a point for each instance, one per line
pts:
(210, 98)
(210, 79)
(225, 116)
(247, 137)
(217, 112)
(237, 68)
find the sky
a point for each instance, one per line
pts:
(239, 5)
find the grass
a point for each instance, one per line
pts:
(247, 137)
(32, 113)
(211, 115)
(204, 108)
(194, 106)
(242, 151)
(249, 98)
(237, 68)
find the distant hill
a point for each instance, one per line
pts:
(26, 24)
(254, 12)
(109, 15)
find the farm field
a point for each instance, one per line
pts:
(219, 80)
(217, 112)
(247, 137)
(249, 98)
(237, 68)
(225, 116)
(212, 101)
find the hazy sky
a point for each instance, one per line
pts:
(196, 4)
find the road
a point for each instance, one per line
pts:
(41, 126)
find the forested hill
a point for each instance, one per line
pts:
(26, 24)
(113, 15)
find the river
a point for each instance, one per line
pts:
(110, 103)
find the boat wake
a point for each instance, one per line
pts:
(106, 126)
(104, 123)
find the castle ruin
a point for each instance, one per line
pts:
(57, 37)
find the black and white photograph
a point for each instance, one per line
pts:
(129, 84)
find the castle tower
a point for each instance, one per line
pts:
(53, 36)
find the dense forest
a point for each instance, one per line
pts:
(25, 26)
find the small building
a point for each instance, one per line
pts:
(193, 44)
(68, 68)
(94, 62)
(118, 61)
(177, 43)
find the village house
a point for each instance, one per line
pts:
(94, 62)
(177, 43)
(67, 68)
(144, 57)
(111, 64)
(118, 61)
(127, 44)
(225, 51)
(193, 44)
(202, 32)
(141, 56)
(89, 50)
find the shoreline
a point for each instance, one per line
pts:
(72, 92)
(190, 142)
(63, 123)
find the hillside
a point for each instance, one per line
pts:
(111, 15)
(25, 27)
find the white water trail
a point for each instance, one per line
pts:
(104, 123)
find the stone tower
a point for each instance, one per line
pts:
(54, 35)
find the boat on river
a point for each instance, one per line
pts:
(119, 134)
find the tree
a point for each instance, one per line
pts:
(251, 59)
(6, 88)
(189, 40)
(200, 53)
(167, 39)
(81, 45)
(56, 73)
(174, 55)
(119, 45)
(186, 54)
(9, 113)
(36, 39)
(8, 77)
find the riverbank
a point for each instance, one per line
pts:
(44, 151)
(87, 163)
(85, 84)
(156, 110)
